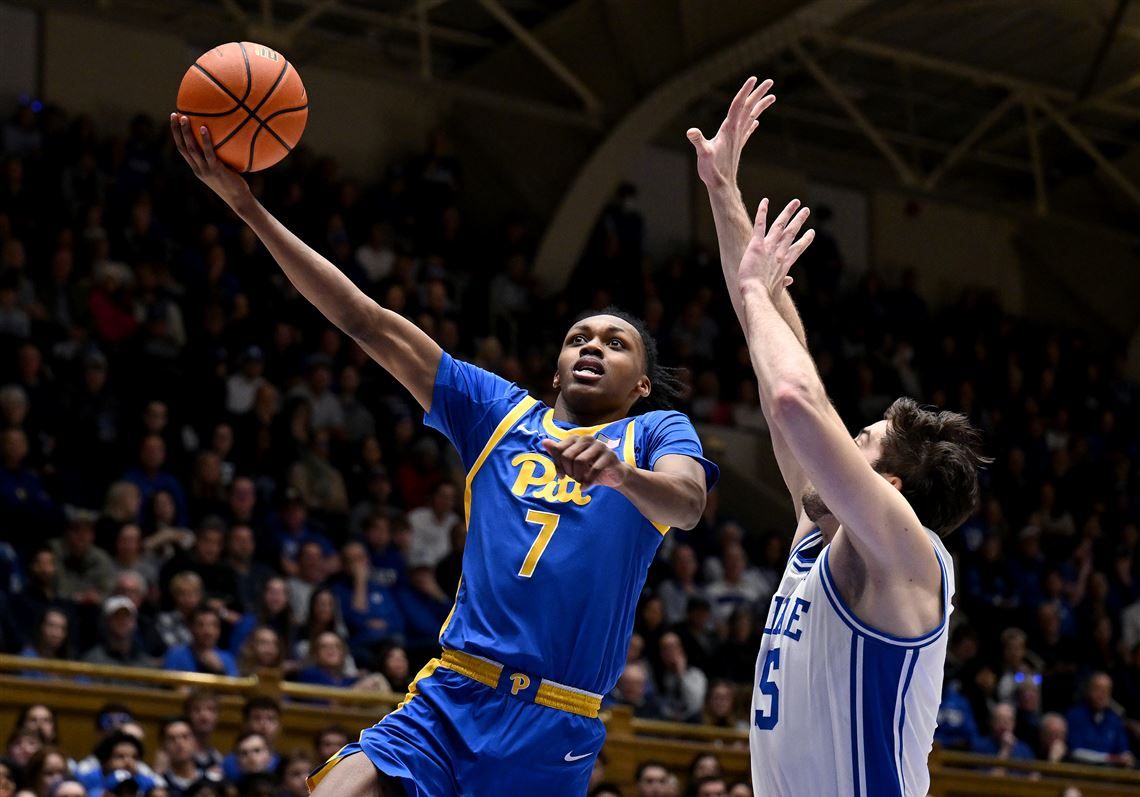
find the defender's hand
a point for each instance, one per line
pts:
(771, 253)
(204, 162)
(718, 158)
(586, 460)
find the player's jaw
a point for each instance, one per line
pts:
(601, 369)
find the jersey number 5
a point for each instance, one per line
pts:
(549, 522)
(767, 721)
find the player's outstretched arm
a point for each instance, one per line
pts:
(718, 161)
(875, 516)
(398, 345)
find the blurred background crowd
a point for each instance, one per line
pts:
(200, 473)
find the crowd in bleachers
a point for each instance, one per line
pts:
(200, 473)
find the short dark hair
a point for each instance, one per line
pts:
(106, 748)
(167, 723)
(937, 456)
(606, 789)
(644, 765)
(198, 695)
(259, 701)
(339, 730)
(249, 735)
(665, 382)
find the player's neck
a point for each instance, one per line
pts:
(564, 414)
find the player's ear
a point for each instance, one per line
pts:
(893, 480)
(644, 386)
(557, 382)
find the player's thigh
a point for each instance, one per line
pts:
(357, 776)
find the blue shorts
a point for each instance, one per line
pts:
(456, 737)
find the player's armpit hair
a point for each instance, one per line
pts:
(936, 454)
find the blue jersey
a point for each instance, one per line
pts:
(552, 571)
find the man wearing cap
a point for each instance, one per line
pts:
(118, 639)
(86, 573)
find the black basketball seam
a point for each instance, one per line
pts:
(265, 126)
(261, 122)
(252, 113)
(219, 84)
(248, 72)
(240, 102)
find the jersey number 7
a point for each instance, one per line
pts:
(549, 522)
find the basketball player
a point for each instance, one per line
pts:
(565, 508)
(849, 673)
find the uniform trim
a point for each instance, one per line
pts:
(554, 431)
(629, 456)
(427, 671)
(809, 539)
(859, 627)
(501, 430)
(549, 693)
(902, 716)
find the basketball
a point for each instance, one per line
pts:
(251, 99)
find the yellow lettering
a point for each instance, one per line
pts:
(536, 470)
(519, 683)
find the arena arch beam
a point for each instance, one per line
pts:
(574, 218)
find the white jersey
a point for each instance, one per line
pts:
(840, 708)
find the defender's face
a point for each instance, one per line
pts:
(601, 365)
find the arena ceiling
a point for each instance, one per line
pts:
(1031, 103)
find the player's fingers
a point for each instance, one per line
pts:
(179, 141)
(760, 105)
(738, 102)
(793, 228)
(785, 216)
(208, 147)
(788, 282)
(762, 217)
(700, 143)
(191, 145)
(797, 249)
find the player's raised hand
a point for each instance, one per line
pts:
(772, 251)
(221, 179)
(719, 157)
(586, 460)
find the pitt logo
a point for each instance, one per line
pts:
(536, 470)
(519, 683)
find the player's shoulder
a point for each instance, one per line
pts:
(656, 419)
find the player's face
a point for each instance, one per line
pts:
(601, 368)
(870, 443)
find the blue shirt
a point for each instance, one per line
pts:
(1093, 737)
(551, 571)
(956, 726)
(149, 485)
(382, 606)
(182, 658)
(232, 771)
(988, 745)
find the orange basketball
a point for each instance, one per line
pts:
(251, 99)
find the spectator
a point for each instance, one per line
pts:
(22, 745)
(202, 654)
(243, 384)
(186, 592)
(273, 610)
(253, 754)
(652, 779)
(180, 747)
(319, 484)
(396, 669)
(8, 775)
(605, 789)
(39, 718)
(261, 716)
(676, 592)
(1001, 742)
(328, 741)
(1052, 742)
(201, 711)
(51, 640)
(704, 765)
(956, 729)
(219, 581)
(324, 615)
(1017, 663)
(293, 773)
(712, 786)
(633, 690)
(293, 532)
(329, 657)
(739, 789)
(370, 611)
(118, 752)
(741, 586)
(262, 650)
(682, 686)
(119, 643)
(130, 553)
(25, 502)
(86, 573)
(241, 558)
(68, 787)
(432, 524)
(312, 568)
(45, 769)
(150, 477)
(1096, 732)
(720, 707)
(327, 414)
(425, 607)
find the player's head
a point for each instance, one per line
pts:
(931, 457)
(608, 364)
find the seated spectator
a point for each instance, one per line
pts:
(740, 789)
(119, 643)
(1001, 741)
(425, 606)
(51, 640)
(682, 687)
(1017, 663)
(395, 669)
(110, 719)
(293, 773)
(956, 728)
(253, 754)
(327, 667)
(40, 592)
(324, 615)
(1052, 743)
(389, 567)
(377, 491)
(151, 477)
(633, 690)
(736, 656)
(201, 711)
(39, 718)
(712, 786)
(86, 573)
(605, 789)
(431, 525)
(704, 765)
(1096, 732)
(262, 650)
(186, 592)
(262, 716)
(273, 610)
(22, 745)
(292, 530)
(741, 586)
(328, 741)
(370, 611)
(202, 654)
(651, 779)
(204, 558)
(241, 558)
(68, 787)
(180, 748)
(312, 567)
(119, 752)
(1028, 706)
(45, 769)
(25, 503)
(130, 553)
(720, 708)
(676, 592)
(319, 484)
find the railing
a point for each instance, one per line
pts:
(76, 691)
